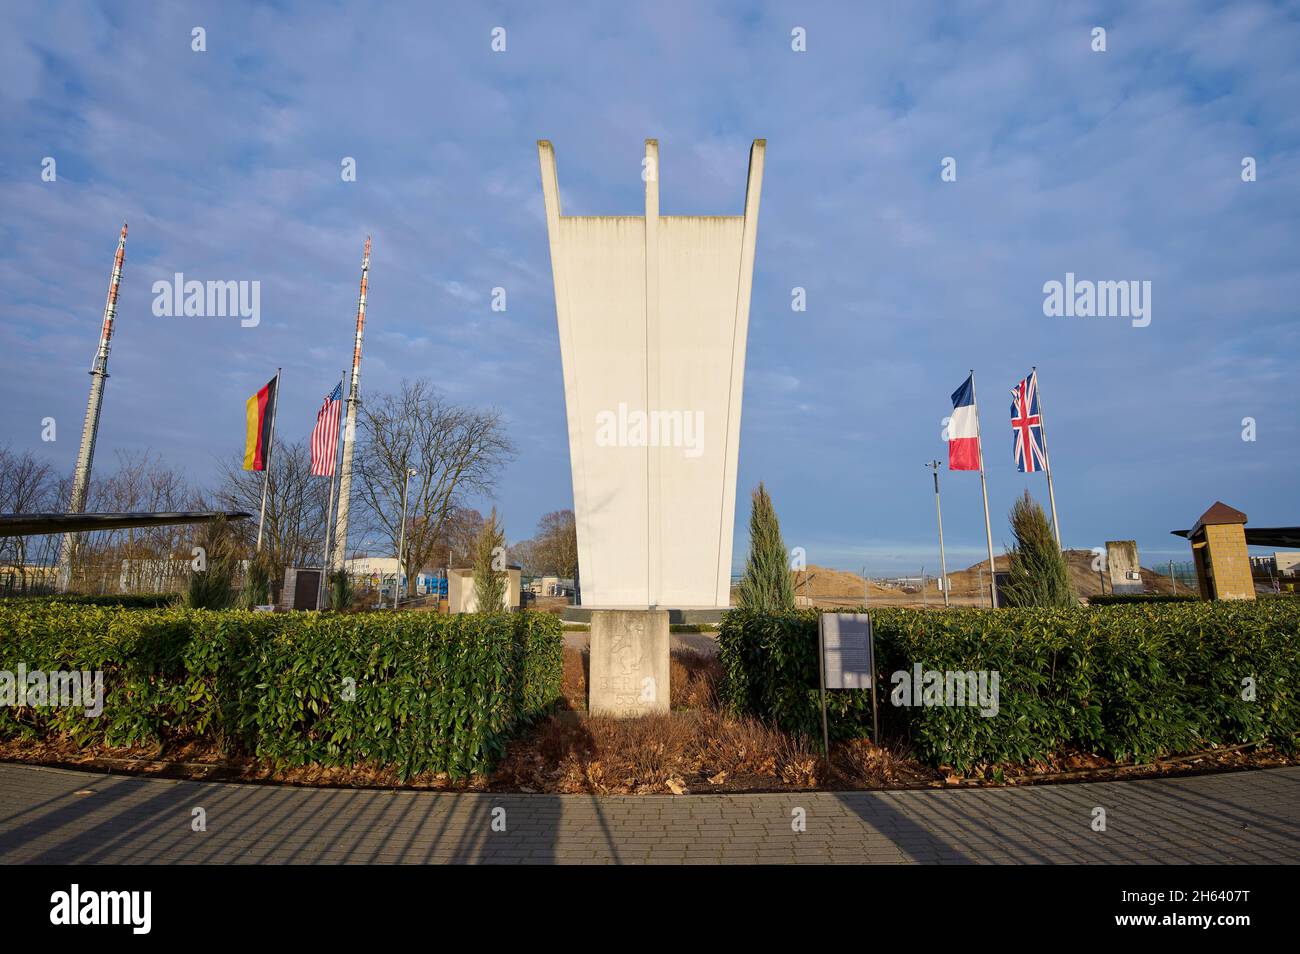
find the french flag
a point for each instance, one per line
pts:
(964, 429)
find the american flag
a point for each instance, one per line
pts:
(1027, 426)
(325, 437)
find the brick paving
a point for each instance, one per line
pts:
(58, 816)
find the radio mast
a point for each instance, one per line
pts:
(90, 429)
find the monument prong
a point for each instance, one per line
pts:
(740, 337)
(551, 201)
(550, 181)
(653, 349)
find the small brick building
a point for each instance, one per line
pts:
(1219, 551)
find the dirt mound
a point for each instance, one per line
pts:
(1084, 579)
(827, 588)
(822, 586)
(819, 581)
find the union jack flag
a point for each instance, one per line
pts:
(325, 436)
(1027, 426)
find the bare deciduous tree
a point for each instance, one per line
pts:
(453, 450)
(459, 533)
(142, 558)
(524, 554)
(294, 533)
(557, 544)
(139, 559)
(27, 485)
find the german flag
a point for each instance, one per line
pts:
(260, 411)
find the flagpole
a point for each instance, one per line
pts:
(325, 556)
(943, 562)
(329, 511)
(266, 463)
(1047, 458)
(984, 489)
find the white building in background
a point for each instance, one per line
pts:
(152, 575)
(370, 569)
(551, 586)
(1287, 563)
(653, 315)
(378, 573)
(460, 590)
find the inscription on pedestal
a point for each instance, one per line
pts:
(629, 663)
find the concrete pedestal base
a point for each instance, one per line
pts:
(629, 663)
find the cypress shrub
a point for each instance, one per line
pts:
(257, 583)
(340, 591)
(214, 586)
(767, 585)
(1037, 575)
(489, 554)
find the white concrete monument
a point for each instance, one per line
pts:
(653, 317)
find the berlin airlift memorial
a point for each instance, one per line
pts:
(653, 316)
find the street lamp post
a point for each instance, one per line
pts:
(934, 465)
(401, 545)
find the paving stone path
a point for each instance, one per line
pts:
(59, 816)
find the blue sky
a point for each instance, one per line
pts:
(1122, 165)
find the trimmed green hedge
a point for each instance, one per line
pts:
(1140, 599)
(417, 691)
(122, 600)
(1127, 682)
